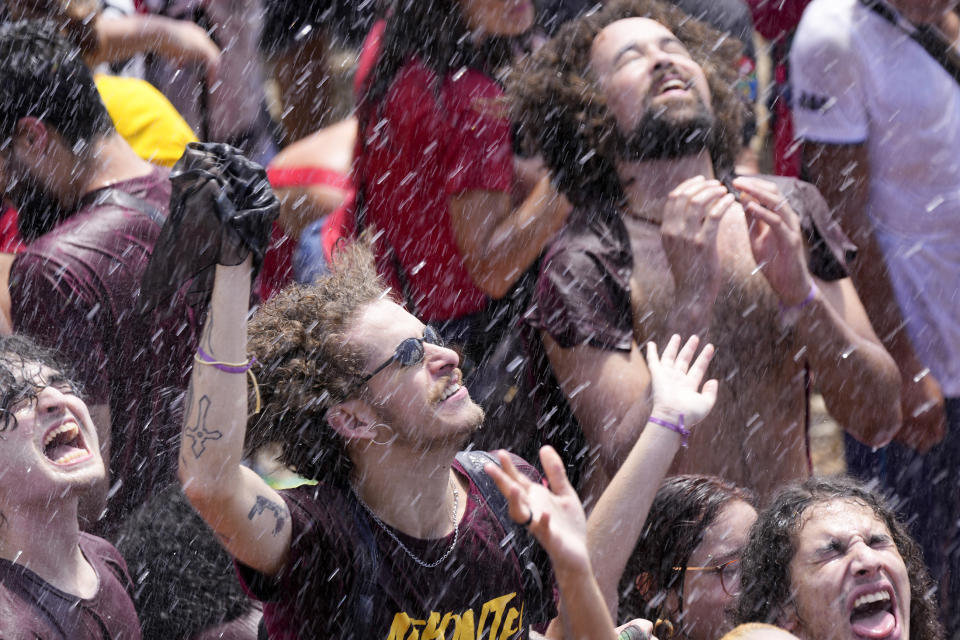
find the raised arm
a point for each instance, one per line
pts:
(678, 399)
(842, 174)
(249, 518)
(859, 380)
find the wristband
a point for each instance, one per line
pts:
(810, 296)
(678, 427)
(202, 357)
(227, 367)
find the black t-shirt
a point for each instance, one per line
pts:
(327, 591)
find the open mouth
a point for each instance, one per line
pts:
(673, 83)
(872, 615)
(451, 389)
(64, 444)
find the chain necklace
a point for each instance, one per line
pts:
(453, 521)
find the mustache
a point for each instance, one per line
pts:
(456, 376)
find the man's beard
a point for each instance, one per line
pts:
(38, 209)
(661, 135)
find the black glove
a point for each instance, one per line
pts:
(221, 210)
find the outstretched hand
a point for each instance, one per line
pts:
(553, 514)
(676, 382)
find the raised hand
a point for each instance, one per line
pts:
(776, 239)
(691, 219)
(554, 514)
(676, 382)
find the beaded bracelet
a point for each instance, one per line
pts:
(202, 357)
(678, 427)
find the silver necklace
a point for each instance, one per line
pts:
(453, 521)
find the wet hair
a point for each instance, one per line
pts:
(304, 365)
(44, 76)
(436, 33)
(17, 353)
(765, 582)
(683, 509)
(561, 109)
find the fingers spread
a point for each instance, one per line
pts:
(686, 354)
(555, 471)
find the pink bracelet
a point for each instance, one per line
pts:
(810, 296)
(678, 427)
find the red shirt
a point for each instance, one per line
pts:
(432, 139)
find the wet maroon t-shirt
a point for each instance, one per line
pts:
(74, 290)
(31, 608)
(321, 593)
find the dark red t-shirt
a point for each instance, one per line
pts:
(432, 138)
(74, 290)
(477, 590)
(31, 608)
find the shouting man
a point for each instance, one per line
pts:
(55, 582)
(633, 111)
(828, 560)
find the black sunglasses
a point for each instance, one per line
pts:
(408, 353)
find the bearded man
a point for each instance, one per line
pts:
(632, 110)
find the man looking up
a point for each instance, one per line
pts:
(91, 211)
(828, 560)
(55, 582)
(636, 120)
(396, 539)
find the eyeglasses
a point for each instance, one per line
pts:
(729, 573)
(408, 353)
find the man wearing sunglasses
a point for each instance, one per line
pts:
(397, 537)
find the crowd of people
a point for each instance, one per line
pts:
(526, 338)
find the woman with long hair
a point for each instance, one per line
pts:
(435, 165)
(684, 572)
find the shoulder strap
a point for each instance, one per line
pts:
(517, 537)
(362, 597)
(129, 201)
(925, 35)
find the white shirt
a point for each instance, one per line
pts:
(858, 79)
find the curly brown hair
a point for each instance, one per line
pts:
(765, 582)
(305, 366)
(561, 110)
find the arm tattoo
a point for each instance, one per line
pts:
(261, 505)
(198, 433)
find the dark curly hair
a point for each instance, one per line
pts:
(561, 110)
(304, 367)
(683, 509)
(765, 583)
(18, 352)
(44, 76)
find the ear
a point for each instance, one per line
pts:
(788, 618)
(353, 419)
(31, 135)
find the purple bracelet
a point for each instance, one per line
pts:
(679, 428)
(226, 367)
(806, 301)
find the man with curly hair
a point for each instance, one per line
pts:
(398, 536)
(829, 560)
(633, 111)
